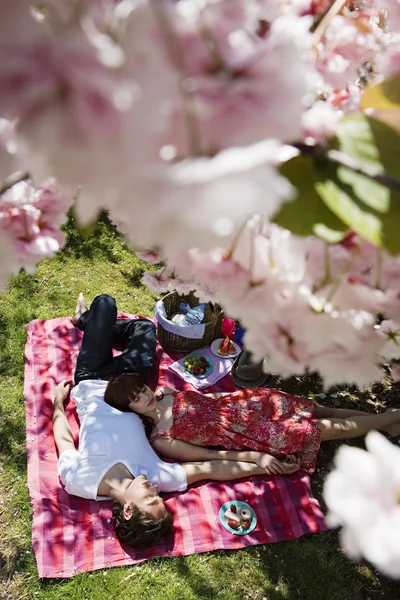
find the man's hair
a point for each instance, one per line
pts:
(121, 390)
(142, 529)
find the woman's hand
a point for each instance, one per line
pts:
(275, 466)
(62, 391)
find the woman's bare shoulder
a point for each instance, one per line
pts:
(166, 390)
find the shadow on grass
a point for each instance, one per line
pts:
(96, 241)
(310, 568)
(134, 278)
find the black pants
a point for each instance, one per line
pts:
(101, 330)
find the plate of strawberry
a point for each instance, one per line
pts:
(237, 517)
(198, 365)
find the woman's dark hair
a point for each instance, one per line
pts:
(121, 390)
(142, 529)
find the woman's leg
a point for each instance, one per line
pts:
(351, 427)
(95, 356)
(324, 412)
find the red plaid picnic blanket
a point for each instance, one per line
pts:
(72, 535)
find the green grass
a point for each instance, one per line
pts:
(311, 568)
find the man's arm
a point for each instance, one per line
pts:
(61, 429)
(225, 470)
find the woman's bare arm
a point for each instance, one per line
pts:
(189, 452)
(266, 463)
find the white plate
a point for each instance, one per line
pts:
(216, 344)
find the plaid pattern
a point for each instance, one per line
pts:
(72, 535)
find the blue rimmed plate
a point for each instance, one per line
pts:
(207, 371)
(239, 505)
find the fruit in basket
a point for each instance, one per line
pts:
(226, 348)
(196, 364)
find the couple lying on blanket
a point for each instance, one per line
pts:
(123, 425)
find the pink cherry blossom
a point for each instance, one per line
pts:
(346, 46)
(150, 255)
(32, 218)
(228, 91)
(395, 372)
(390, 331)
(199, 202)
(156, 281)
(362, 494)
(320, 122)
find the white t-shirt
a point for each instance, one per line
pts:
(108, 436)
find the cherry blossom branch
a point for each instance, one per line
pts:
(378, 268)
(341, 159)
(236, 239)
(13, 179)
(326, 20)
(327, 278)
(339, 280)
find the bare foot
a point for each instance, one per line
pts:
(80, 308)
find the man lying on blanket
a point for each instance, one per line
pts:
(114, 459)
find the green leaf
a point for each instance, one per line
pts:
(307, 214)
(351, 211)
(368, 207)
(371, 141)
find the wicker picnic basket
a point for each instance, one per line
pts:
(212, 320)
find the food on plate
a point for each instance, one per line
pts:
(238, 517)
(245, 513)
(233, 524)
(226, 348)
(196, 364)
(231, 516)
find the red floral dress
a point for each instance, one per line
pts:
(264, 419)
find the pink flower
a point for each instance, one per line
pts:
(199, 202)
(347, 44)
(157, 281)
(320, 122)
(150, 255)
(395, 372)
(390, 331)
(230, 91)
(32, 217)
(362, 495)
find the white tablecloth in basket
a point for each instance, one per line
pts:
(221, 366)
(194, 332)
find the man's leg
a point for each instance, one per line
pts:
(139, 335)
(95, 356)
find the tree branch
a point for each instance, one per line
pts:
(13, 179)
(341, 159)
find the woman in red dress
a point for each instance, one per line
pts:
(182, 425)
